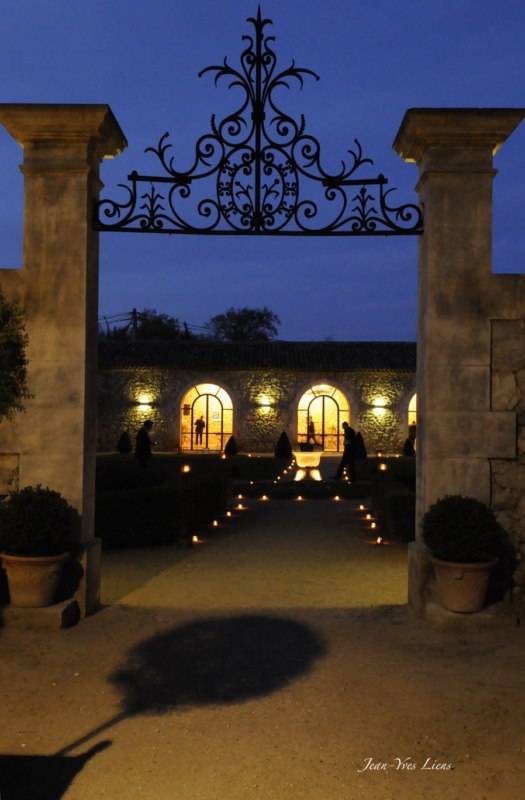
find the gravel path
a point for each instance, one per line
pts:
(272, 662)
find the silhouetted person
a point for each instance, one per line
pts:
(360, 449)
(199, 430)
(311, 431)
(143, 444)
(348, 459)
(409, 448)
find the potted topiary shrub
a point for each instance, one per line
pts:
(37, 527)
(464, 538)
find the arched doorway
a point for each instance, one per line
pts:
(206, 418)
(326, 408)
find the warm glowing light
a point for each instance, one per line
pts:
(368, 516)
(185, 468)
(251, 483)
(379, 411)
(337, 497)
(278, 477)
(379, 540)
(412, 410)
(373, 525)
(300, 497)
(195, 540)
(223, 455)
(321, 412)
(379, 402)
(361, 507)
(240, 497)
(249, 455)
(228, 513)
(264, 497)
(213, 405)
(264, 401)
(379, 454)
(383, 467)
(240, 506)
(145, 399)
(215, 523)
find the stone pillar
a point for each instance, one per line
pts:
(55, 439)
(457, 433)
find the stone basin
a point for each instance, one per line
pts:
(307, 464)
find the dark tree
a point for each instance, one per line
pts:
(149, 324)
(152, 325)
(13, 360)
(244, 324)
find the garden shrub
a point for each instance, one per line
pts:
(36, 521)
(231, 448)
(462, 529)
(139, 517)
(120, 474)
(401, 515)
(394, 506)
(124, 444)
(283, 448)
(155, 515)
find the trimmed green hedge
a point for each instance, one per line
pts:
(155, 515)
(394, 504)
(139, 517)
(401, 515)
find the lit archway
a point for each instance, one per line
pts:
(412, 410)
(320, 415)
(206, 418)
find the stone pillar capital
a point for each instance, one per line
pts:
(90, 132)
(458, 136)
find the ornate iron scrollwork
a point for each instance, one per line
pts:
(265, 170)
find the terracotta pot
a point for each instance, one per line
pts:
(33, 580)
(462, 587)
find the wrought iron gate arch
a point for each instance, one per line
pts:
(260, 162)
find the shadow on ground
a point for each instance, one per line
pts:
(216, 660)
(213, 661)
(41, 777)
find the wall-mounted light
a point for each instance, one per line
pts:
(144, 401)
(379, 405)
(265, 403)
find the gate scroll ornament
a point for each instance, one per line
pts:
(259, 161)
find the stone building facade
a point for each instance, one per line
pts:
(508, 394)
(271, 386)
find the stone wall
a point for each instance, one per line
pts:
(508, 394)
(255, 428)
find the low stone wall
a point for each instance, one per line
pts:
(508, 394)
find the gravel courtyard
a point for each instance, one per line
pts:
(276, 660)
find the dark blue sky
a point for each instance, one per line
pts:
(375, 60)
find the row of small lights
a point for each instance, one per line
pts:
(367, 516)
(264, 498)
